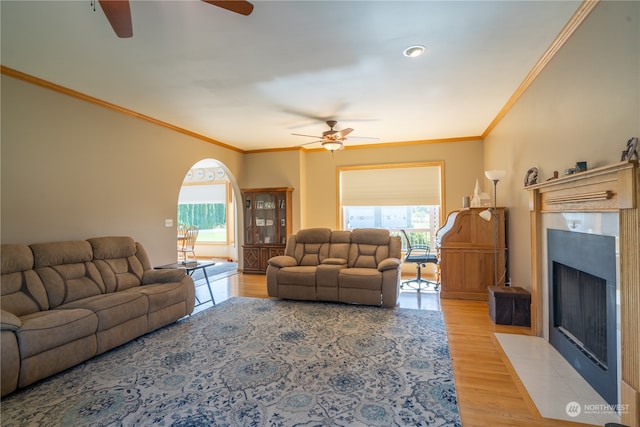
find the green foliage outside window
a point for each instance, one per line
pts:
(419, 237)
(203, 215)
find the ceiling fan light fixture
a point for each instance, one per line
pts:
(414, 51)
(332, 145)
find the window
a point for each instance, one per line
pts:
(394, 197)
(205, 206)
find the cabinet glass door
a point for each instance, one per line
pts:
(248, 219)
(265, 218)
(282, 215)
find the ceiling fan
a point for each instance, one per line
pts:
(118, 13)
(331, 139)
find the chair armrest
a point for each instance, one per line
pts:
(282, 261)
(334, 261)
(9, 321)
(162, 276)
(389, 264)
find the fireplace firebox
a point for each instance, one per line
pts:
(582, 306)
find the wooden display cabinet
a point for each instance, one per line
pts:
(267, 223)
(466, 254)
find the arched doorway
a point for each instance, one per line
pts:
(207, 200)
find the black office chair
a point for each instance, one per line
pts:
(420, 255)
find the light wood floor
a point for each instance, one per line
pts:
(489, 391)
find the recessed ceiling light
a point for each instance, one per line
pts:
(413, 51)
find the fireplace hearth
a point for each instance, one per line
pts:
(582, 306)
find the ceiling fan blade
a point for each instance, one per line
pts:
(345, 132)
(310, 136)
(238, 6)
(119, 15)
(362, 138)
(309, 143)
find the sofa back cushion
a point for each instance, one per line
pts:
(312, 246)
(340, 244)
(21, 290)
(117, 262)
(369, 246)
(66, 270)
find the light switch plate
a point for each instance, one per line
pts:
(168, 223)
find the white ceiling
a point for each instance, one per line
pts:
(251, 81)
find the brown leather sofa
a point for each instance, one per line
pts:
(360, 266)
(65, 302)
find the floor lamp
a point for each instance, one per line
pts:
(495, 176)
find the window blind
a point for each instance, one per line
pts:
(199, 194)
(393, 186)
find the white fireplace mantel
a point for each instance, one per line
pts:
(610, 189)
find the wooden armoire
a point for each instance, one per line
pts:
(465, 247)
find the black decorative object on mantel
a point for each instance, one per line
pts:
(531, 177)
(632, 150)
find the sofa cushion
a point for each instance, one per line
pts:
(369, 246)
(66, 271)
(361, 278)
(370, 236)
(112, 247)
(340, 244)
(70, 282)
(49, 329)
(299, 275)
(58, 253)
(21, 290)
(312, 246)
(162, 295)
(314, 235)
(112, 309)
(117, 262)
(15, 258)
(327, 274)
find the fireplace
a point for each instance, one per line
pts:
(582, 306)
(603, 201)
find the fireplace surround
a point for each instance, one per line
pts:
(600, 201)
(582, 306)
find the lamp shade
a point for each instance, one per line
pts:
(486, 215)
(332, 145)
(495, 175)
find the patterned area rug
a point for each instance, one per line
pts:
(260, 362)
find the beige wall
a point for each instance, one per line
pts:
(462, 166)
(315, 195)
(585, 105)
(275, 169)
(313, 174)
(73, 170)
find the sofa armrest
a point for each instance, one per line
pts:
(282, 261)
(9, 321)
(334, 261)
(389, 264)
(162, 276)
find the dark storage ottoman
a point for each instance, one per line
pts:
(509, 305)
